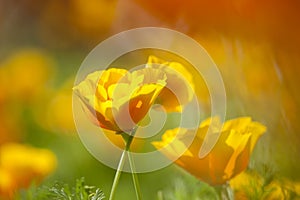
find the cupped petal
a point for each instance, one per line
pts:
(88, 86)
(98, 114)
(257, 129)
(171, 145)
(218, 159)
(150, 76)
(239, 142)
(134, 95)
(95, 96)
(129, 114)
(111, 76)
(179, 82)
(156, 62)
(238, 124)
(179, 87)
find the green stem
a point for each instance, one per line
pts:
(225, 192)
(128, 140)
(135, 178)
(120, 167)
(132, 167)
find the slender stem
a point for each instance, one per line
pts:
(135, 178)
(229, 191)
(132, 167)
(225, 192)
(120, 167)
(117, 176)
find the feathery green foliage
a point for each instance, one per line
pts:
(60, 191)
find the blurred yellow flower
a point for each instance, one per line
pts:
(179, 88)
(250, 185)
(62, 121)
(228, 157)
(20, 165)
(25, 73)
(113, 96)
(51, 109)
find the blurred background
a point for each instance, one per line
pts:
(255, 44)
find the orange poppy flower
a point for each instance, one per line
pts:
(228, 157)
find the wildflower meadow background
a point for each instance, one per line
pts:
(255, 45)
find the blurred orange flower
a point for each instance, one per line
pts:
(250, 18)
(10, 127)
(113, 96)
(20, 165)
(229, 156)
(179, 88)
(92, 19)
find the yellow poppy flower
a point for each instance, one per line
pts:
(113, 96)
(179, 87)
(228, 157)
(51, 109)
(22, 164)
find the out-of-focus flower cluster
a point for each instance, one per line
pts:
(24, 75)
(25, 83)
(255, 44)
